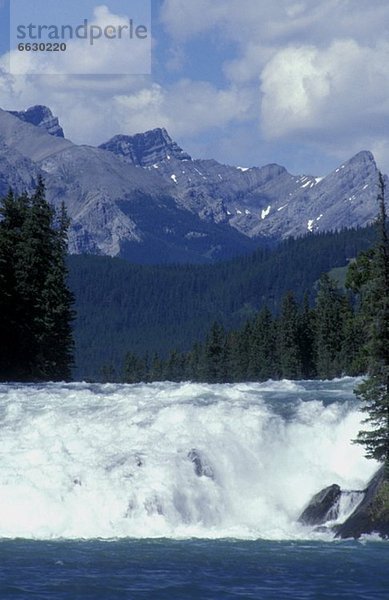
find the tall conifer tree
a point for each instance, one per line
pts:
(374, 392)
(36, 342)
(262, 356)
(330, 317)
(288, 338)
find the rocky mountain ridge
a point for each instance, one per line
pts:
(41, 116)
(266, 201)
(116, 209)
(144, 198)
(146, 149)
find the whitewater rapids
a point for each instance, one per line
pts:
(173, 460)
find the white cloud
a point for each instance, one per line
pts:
(340, 90)
(186, 108)
(93, 109)
(322, 64)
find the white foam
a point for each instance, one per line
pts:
(111, 461)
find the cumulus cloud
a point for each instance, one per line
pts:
(308, 91)
(185, 108)
(298, 71)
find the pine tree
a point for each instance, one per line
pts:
(196, 367)
(214, 355)
(173, 370)
(359, 273)
(330, 316)
(262, 353)
(156, 368)
(108, 373)
(374, 392)
(38, 305)
(235, 362)
(288, 339)
(307, 340)
(352, 357)
(56, 341)
(237, 352)
(13, 327)
(134, 369)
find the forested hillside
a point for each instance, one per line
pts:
(123, 307)
(326, 341)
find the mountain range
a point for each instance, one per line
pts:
(144, 198)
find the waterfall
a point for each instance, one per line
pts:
(346, 504)
(174, 460)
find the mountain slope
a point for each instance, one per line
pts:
(145, 199)
(262, 202)
(116, 208)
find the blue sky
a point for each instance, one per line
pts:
(303, 83)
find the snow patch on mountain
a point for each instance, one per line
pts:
(265, 212)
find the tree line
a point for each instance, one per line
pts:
(35, 303)
(157, 308)
(301, 342)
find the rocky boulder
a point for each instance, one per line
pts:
(201, 466)
(322, 506)
(372, 514)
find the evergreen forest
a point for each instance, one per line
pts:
(300, 342)
(123, 307)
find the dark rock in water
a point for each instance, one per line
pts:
(321, 505)
(202, 469)
(372, 514)
(322, 529)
